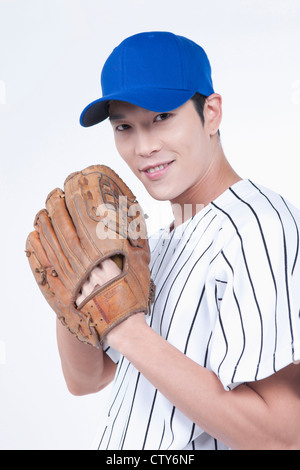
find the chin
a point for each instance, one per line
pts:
(158, 197)
(162, 195)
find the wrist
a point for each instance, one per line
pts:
(129, 332)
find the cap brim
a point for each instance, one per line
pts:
(157, 100)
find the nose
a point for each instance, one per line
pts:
(146, 143)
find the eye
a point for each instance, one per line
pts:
(122, 127)
(162, 116)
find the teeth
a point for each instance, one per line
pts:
(156, 168)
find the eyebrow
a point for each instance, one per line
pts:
(116, 117)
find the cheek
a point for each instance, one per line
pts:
(191, 145)
(123, 149)
(126, 152)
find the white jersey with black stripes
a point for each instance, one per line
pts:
(227, 296)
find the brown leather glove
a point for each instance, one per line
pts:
(96, 217)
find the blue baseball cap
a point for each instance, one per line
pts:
(158, 71)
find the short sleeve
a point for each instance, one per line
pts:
(112, 353)
(257, 294)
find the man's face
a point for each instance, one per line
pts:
(168, 152)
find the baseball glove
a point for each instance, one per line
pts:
(96, 217)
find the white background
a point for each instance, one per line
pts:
(51, 55)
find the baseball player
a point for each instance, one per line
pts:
(215, 363)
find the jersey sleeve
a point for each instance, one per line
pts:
(112, 353)
(257, 296)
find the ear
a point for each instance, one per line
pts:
(213, 113)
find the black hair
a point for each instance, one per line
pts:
(199, 102)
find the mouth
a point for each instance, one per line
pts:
(158, 170)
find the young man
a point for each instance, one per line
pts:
(215, 365)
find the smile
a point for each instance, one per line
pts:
(157, 168)
(155, 172)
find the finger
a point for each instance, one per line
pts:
(66, 232)
(109, 270)
(96, 279)
(99, 276)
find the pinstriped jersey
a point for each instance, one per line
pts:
(227, 296)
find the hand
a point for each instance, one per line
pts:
(103, 273)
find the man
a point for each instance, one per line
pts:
(215, 365)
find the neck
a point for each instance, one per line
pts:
(217, 179)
